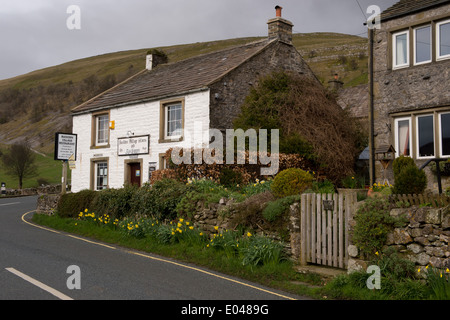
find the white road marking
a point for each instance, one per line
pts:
(9, 204)
(39, 284)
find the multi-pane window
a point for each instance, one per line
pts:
(425, 136)
(174, 121)
(422, 45)
(102, 129)
(443, 39)
(101, 175)
(401, 49)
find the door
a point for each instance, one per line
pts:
(135, 174)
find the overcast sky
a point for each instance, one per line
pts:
(34, 33)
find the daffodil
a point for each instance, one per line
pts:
(216, 228)
(249, 234)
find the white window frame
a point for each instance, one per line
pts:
(397, 120)
(441, 140)
(97, 128)
(438, 56)
(394, 50)
(166, 121)
(417, 137)
(96, 177)
(415, 44)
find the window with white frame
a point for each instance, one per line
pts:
(173, 121)
(443, 40)
(422, 45)
(400, 49)
(444, 134)
(101, 175)
(425, 136)
(102, 130)
(402, 136)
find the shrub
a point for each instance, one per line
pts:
(410, 180)
(373, 223)
(290, 182)
(115, 202)
(400, 163)
(166, 194)
(71, 204)
(277, 208)
(229, 177)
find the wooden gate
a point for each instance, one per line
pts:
(324, 228)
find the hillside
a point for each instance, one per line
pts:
(36, 105)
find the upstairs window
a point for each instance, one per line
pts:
(401, 49)
(443, 40)
(171, 121)
(100, 130)
(422, 45)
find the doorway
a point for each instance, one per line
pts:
(133, 173)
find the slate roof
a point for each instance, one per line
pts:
(176, 78)
(405, 7)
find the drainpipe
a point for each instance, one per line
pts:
(371, 109)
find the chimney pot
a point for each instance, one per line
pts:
(278, 11)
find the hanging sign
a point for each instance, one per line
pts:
(65, 146)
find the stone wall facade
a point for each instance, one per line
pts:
(409, 91)
(228, 93)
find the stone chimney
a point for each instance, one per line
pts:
(154, 58)
(280, 28)
(335, 84)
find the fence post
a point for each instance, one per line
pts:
(303, 230)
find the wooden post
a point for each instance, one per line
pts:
(64, 177)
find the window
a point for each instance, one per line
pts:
(443, 40)
(402, 136)
(171, 121)
(425, 136)
(422, 45)
(101, 175)
(401, 49)
(444, 124)
(102, 130)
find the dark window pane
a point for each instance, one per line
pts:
(445, 133)
(425, 136)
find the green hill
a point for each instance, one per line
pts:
(36, 105)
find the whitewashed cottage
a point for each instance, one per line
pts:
(124, 132)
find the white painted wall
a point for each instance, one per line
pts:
(141, 119)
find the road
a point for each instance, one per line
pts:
(35, 265)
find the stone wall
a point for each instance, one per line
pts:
(424, 239)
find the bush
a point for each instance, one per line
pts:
(400, 163)
(373, 223)
(166, 194)
(71, 204)
(277, 208)
(115, 202)
(229, 177)
(410, 180)
(290, 182)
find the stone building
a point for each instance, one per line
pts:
(124, 132)
(411, 84)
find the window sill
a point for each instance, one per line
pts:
(106, 146)
(171, 140)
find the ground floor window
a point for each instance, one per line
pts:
(423, 136)
(101, 175)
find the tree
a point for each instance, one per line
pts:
(310, 121)
(20, 161)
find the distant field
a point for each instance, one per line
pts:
(48, 169)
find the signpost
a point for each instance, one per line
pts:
(66, 151)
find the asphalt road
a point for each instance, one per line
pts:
(35, 265)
